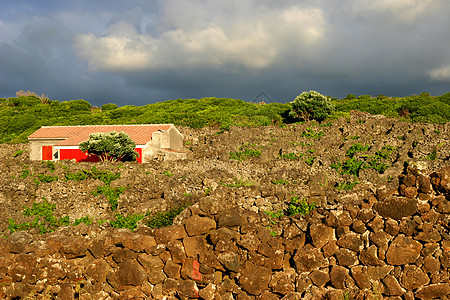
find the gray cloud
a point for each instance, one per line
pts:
(136, 52)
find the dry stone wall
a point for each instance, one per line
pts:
(393, 244)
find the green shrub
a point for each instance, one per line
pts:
(129, 222)
(163, 219)
(280, 181)
(311, 105)
(86, 220)
(50, 165)
(310, 133)
(44, 219)
(310, 160)
(347, 185)
(111, 193)
(297, 206)
(25, 172)
(111, 146)
(244, 152)
(18, 153)
(109, 106)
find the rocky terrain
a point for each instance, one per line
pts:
(379, 227)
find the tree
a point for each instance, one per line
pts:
(311, 105)
(111, 146)
(109, 106)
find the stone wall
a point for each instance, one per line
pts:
(394, 244)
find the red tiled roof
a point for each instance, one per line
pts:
(74, 135)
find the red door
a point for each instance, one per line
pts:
(139, 158)
(47, 153)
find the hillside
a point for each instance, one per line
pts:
(340, 167)
(293, 159)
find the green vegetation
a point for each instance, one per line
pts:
(18, 153)
(22, 115)
(299, 207)
(311, 106)
(238, 183)
(106, 176)
(357, 162)
(129, 222)
(245, 151)
(163, 219)
(110, 146)
(416, 108)
(50, 165)
(347, 185)
(291, 156)
(168, 173)
(310, 160)
(280, 181)
(86, 220)
(310, 133)
(354, 165)
(45, 178)
(44, 219)
(25, 172)
(111, 193)
(296, 207)
(432, 155)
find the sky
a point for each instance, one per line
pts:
(135, 52)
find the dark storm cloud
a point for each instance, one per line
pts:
(136, 52)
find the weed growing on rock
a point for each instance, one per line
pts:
(299, 207)
(310, 160)
(25, 172)
(356, 148)
(238, 183)
(106, 176)
(168, 173)
(43, 178)
(129, 222)
(50, 165)
(86, 220)
(44, 219)
(274, 215)
(111, 193)
(347, 185)
(18, 153)
(354, 165)
(309, 133)
(432, 155)
(244, 152)
(280, 181)
(163, 219)
(291, 156)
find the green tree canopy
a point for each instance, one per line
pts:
(311, 105)
(111, 146)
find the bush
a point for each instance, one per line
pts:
(111, 146)
(311, 105)
(109, 106)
